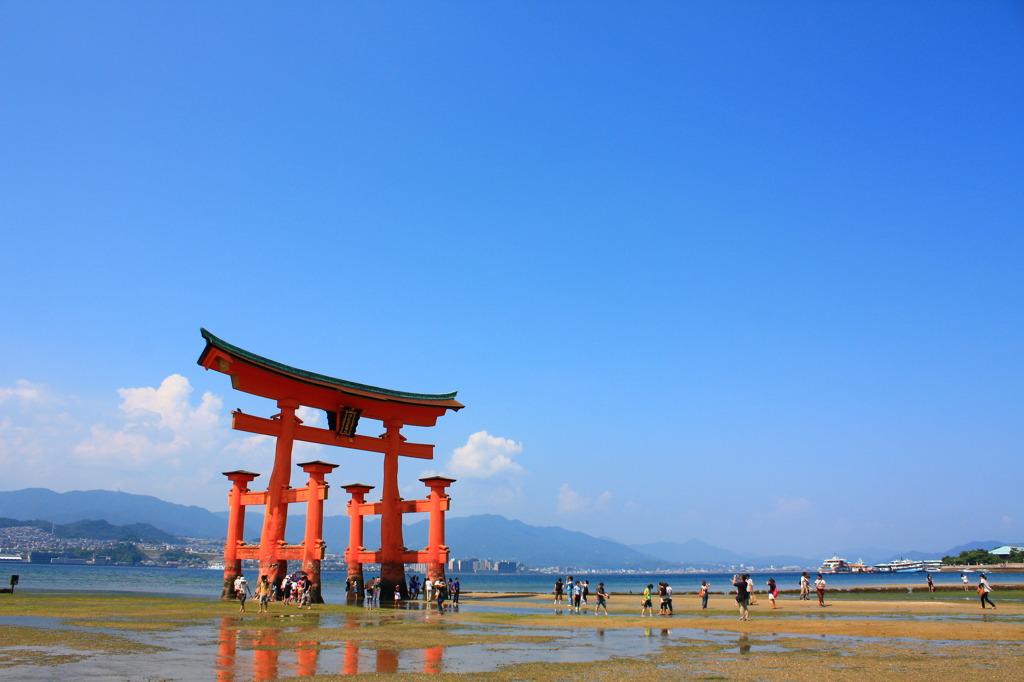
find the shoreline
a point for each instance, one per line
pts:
(879, 589)
(510, 636)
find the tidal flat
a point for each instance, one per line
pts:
(119, 636)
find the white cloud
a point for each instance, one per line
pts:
(310, 416)
(34, 432)
(161, 425)
(162, 440)
(250, 445)
(484, 456)
(27, 393)
(572, 502)
(170, 403)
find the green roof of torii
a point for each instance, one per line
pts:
(214, 342)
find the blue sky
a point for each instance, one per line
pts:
(746, 272)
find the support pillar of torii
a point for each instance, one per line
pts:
(435, 556)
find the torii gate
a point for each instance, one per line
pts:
(345, 403)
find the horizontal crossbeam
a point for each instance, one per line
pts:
(404, 507)
(310, 434)
(288, 496)
(287, 552)
(408, 557)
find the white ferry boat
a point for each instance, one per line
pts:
(835, 565)
(910, 566)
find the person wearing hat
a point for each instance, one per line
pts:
(241, 590)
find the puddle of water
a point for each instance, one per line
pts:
(257, 653)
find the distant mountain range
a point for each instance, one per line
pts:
(485, 536)
(115, 507)
(97, 530)
(701, 554)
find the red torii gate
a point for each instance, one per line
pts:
(345, 403)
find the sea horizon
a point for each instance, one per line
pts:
(196, 582)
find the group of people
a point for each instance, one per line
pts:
(984, 589)
(578, 592)
(295, 588)
(819, 587)
(745, 595)
(438, 590)
(664, 600)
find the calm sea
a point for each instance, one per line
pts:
(207, 583)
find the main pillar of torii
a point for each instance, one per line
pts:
(345, 403)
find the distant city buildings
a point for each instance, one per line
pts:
(482, 566)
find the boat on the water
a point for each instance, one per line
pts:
(910, 566)
(835, 565)
(838, 565)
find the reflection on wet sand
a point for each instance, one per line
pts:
(744, 644)
(271, 660)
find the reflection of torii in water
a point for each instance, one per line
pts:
(271, 659)
(345, 403)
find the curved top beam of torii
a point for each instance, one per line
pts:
(260, 376)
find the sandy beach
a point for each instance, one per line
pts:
(106, 636)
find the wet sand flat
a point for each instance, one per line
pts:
(98, 636)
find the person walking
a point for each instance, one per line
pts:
(263, 591)
(705, 589)
(742, 595)
(646, 602)
(965, 581)
(602, 598)
(559, 591)
(241, 590)
(983, 591)
(577, 596)
(805, 586)
(819, 586)
(428, 590)
(440, 593)
(931, 585)
(752, 598)
(773, 592)
(414, 586)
